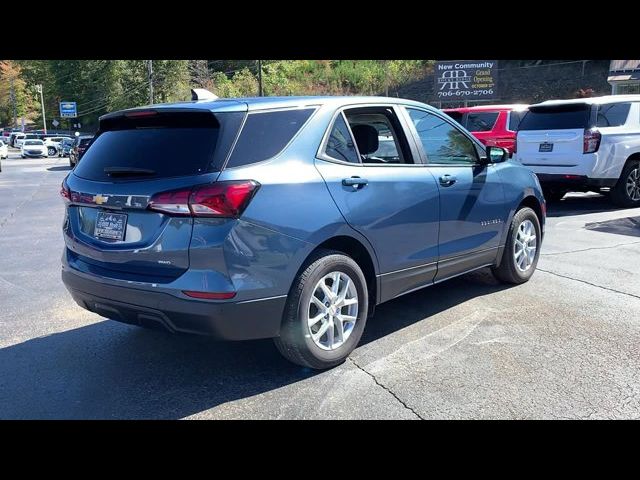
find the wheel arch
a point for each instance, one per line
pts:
(360, 253)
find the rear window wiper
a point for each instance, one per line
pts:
(128, 171)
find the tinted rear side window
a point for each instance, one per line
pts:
(515, 117)
(556, 117)
(613, 114)
(481, 121)
(265, 134)
(171, 145)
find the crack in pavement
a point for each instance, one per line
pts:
(384, 387)
(587, 249)
(589, 283)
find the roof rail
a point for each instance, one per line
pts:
(202, 94)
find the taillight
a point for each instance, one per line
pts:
(591, 140)
(221, 199)
(65, 193)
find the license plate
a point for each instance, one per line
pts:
(546, 147)
(111, 225)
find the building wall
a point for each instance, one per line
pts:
(527, 85)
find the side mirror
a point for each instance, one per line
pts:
(496, 154)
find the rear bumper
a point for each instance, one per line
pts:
(246, 320)
(578, 182)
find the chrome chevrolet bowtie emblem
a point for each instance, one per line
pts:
(99, 199)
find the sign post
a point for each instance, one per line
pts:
(466, 80)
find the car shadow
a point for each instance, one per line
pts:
(61, 168)
(620, 226)
(581, 204)
(109, 370)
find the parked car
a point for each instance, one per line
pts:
(54, 145)
(33, 149)
(277, 217)
(4, 152)
(80, 146)
(584, 144)
(491, 124)
(65, 147)
(18, 139)
(12, 138)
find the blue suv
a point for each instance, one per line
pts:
(288, 218)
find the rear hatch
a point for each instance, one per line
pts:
(135, 157)
(553, 135)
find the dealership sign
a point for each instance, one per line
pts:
(466, 80)
(68, 110)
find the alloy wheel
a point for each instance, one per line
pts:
(525, 246)
(333, 310)
(633, 184)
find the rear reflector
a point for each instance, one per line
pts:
(210, 295)
(220, 199)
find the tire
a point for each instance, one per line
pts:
(295, 342)
(626, 192)
(51, 151)
(71, 163)
(509, 271)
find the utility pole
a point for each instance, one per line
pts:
(150, 82)
(386, 78)
(44, 118)
(260, 93)
(15, 106)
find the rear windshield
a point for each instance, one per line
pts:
(84, 142)
(168, 145)
(33, 142)
(556, 118)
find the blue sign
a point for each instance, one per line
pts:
(68, 110)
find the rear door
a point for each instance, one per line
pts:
(384, 192)
(109, 229)
(553, 136)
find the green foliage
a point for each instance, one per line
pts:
(101, 86)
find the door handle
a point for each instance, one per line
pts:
(355, 182)
(447, 180)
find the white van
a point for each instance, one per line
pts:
(584, 144)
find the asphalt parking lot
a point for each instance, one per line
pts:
(564, 345)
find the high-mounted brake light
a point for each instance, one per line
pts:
(220, 199)
(140, 113)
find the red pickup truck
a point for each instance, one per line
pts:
(491, 124)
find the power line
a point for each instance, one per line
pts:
(105, 105)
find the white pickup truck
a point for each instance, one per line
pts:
(584, 144)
